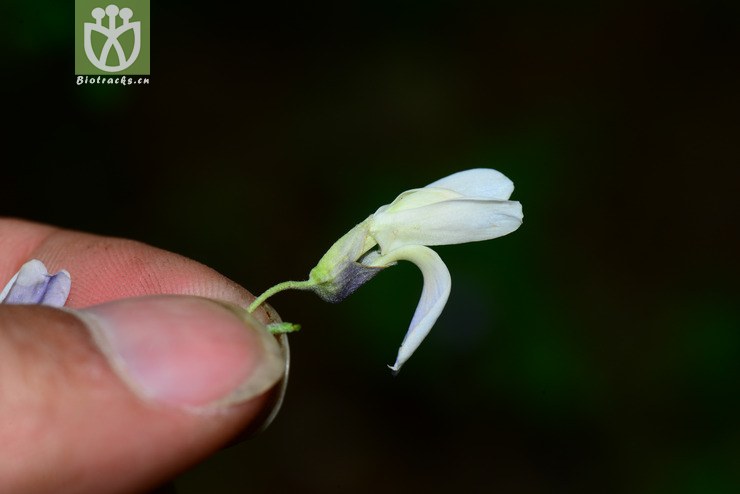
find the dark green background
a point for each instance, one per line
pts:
(595, 350)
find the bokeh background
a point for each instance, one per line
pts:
(597, 349)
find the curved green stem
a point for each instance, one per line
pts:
(286, 285)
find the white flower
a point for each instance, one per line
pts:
(468, 206)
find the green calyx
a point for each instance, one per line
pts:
(335, 277)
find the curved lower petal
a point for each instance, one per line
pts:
(478, 182)
(34, 285)
(455, 221)
(437, 283)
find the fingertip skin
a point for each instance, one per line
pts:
(188, 352)
(69, 424)
(107, 268)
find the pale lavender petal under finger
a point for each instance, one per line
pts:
(34, 285)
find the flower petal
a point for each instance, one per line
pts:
(479, 182)
(454, 221)
(7, 288)
(33, 285)
(57, 290)
(416, 198)
(434, 295)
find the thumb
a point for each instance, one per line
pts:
(119, 397)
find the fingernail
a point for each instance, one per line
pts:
(188, 352)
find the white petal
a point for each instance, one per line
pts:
(29, 284)
(7, 288)
(450, 222)
(416, 198)
(434, 295)
(479, 182)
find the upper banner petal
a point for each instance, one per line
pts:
(478, 182)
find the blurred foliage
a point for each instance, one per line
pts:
(594, 350)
